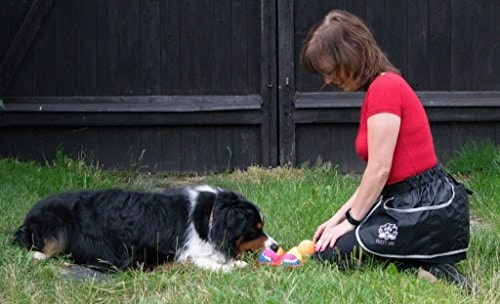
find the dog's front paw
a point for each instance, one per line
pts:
(238, 264)
(37, 255)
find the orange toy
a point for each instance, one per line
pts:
(307, 247)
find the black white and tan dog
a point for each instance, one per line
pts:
(118, 229)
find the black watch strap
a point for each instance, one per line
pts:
(350, 219)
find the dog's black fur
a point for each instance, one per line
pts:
(121, 229)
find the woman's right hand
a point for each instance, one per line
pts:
(333, 221)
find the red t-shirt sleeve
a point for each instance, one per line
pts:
(384, 97)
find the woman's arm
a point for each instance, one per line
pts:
(383, 131)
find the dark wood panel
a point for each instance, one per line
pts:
(428, 41)
(65, 48)
(439, 50)
(197, 148)
(418, 64)
(398, 34)
(107, 47)
(150, 48)
(24, 37)
(196, 53)
(221, 46)
(442, 138)
(171, 147)
(22, 82)
(334, 143)
(12, 16)
(268, 83)
(86, 48)
(429, 99)
(128, 75)
(170, 14)
(138, 47)
(23, 119)
(496, 57)
(450, 138)
(472, 46)
(286, 82)
(134, 104)
(239, 46)
(255, 57)
(182, 149)
(120, 147)
(376, 19)
(224, 146)
(45, 65)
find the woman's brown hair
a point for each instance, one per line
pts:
(343, 42)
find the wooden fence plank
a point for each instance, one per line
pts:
(65, 48)
(86, 48)
(239, 47)
(222, 48)
(439, 48)
(472, 52)
(23, 40)
(107, 48)
(398, 34)
(134, 103)
(45, 62)
(418, 64)
(150, 48)
(196, 54)
(129, 47)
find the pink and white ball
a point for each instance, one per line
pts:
(269, 257)
(292, 258)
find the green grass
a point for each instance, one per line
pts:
(294, 201)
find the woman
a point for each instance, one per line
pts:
(405, 207)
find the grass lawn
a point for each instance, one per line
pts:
(294, 201)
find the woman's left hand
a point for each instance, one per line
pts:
(330, 235)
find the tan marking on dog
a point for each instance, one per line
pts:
(53, 247)
(254, 245)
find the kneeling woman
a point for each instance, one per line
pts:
(405, 208)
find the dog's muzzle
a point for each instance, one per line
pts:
(272, 244)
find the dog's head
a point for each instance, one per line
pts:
(238, 225)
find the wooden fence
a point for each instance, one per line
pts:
(212, 85)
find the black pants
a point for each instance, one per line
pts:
(347, 253)
(408, 194)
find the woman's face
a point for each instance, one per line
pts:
(340, 79)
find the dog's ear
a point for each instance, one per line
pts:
(236, 221)
(229, 224)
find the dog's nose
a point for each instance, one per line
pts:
(275, 247)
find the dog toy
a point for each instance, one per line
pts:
(307, 247)
(269, 257)
(280, 252)
(293, 257)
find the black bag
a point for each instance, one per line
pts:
(428, 220)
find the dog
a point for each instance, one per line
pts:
(118, 229)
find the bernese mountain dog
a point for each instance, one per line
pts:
(118, 229)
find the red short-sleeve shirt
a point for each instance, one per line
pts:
(414, 152)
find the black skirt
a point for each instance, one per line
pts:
(423, 218)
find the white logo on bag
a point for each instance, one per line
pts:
(388, 232)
